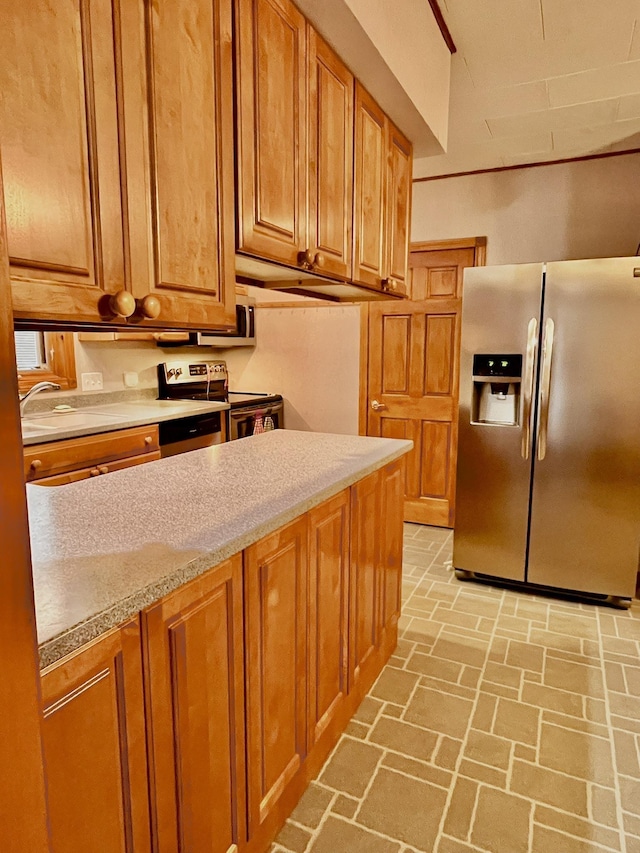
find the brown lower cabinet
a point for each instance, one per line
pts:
(251, 673)
(195, 676)
(93, 739)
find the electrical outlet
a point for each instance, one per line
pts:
(91, 381)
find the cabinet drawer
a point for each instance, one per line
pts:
(95, 471)
(72, 455)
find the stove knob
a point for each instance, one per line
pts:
(178, 372)
(170, 373)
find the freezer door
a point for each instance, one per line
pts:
(500, 315)
(585, 515)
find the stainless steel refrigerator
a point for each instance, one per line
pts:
(548, 478)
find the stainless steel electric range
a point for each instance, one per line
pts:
(250, 412)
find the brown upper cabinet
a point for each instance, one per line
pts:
(382, 198)
(324, 178)
(116, 129)
(295, 137)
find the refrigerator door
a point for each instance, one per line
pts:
(585, 512)
(500, 316)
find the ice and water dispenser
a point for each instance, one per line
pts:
(496, 389)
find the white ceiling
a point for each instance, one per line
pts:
(539, 80)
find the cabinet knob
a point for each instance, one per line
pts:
(389, 284)
(305, 259)
(37, 463)
(94, 472)
(148, 439)
(103, 469)
(150, 307)
(318, 261)
(122, 303)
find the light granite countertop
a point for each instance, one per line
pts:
(107, 547)
(54, 425)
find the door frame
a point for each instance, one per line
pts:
(479, 244)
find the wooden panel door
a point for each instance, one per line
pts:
(331, 87)
(194, 661)
(271, 74)
(181, 205)
(364, 597)
(328, 612)
(412, 379)
(94, 746)
(398, 210)
(370, 173)
(392, 484)
(59, 140)
(276, 654)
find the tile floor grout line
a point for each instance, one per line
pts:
(614, 757)
(465, 739)
(424, 587)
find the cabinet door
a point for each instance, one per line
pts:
(276, 651)
(59, 140)
(194, 660)
(181, 125)
(331, 87)
(271, 114)
(370, 172)
(392, 489)
(94, 747)
(328, 612)
(398, 210)
(364, 593)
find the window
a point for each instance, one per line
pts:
(46, 356)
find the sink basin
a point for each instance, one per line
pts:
(33, 429)
(66, 420)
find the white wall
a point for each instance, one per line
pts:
(114, 358)
(312, 357)
(585, 209)
(309, 355)
(397, 52)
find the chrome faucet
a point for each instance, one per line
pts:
(39, 386)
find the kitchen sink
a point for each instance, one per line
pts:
(34, 429)
(67, 420)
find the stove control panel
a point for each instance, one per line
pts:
(184, 372)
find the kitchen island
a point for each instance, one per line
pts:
(226, 609)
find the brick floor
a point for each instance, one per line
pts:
(504, 722)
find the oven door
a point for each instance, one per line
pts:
(242, 421)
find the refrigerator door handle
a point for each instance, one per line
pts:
(527, 396)
(545, 387)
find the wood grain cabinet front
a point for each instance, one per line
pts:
(382, 198)
(328, 613)
(93, 736)
(364, 597)
(392, 490)
(56, 463)
(60, 152)
(195, 675)
(276, 577)
(178, 67)
(119, 196)
(295, 136)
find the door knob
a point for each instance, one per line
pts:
(376, 406)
